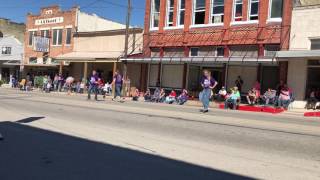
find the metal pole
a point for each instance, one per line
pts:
(126, 44)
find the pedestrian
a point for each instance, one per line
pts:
(60, 82)
(239, 83)
(55, 82)
(117, 81)
(208, 83)
(93, 85)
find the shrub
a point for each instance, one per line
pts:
(1, 82)
(38, 81)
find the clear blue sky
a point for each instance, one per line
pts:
(16, 10)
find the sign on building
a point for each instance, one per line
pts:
(41, 44)
(54, 20)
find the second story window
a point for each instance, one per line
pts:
(237, 10)
(199, 11)
(31, 35)
(68, 36)
(57, 37)
(253, 9)
(182, 9)
(275, 9)
(315, 44)
(6, 50)
(170, 11)
(155, 14)
(217, 11)
(45, 33)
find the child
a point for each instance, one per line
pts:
(171, 98)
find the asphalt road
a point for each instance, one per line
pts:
(51, 136)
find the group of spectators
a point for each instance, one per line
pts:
(160, 96)
(280, 97)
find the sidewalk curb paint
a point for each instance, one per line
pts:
(312, 114)
(264, 109)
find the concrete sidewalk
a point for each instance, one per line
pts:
(190, 103)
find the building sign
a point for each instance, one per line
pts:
(41, 44)
(54, 20)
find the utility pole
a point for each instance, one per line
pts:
(126, 45)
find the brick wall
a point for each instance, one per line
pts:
(69, 20)
(260, 33)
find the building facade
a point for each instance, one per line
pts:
(303, 56)
(11, 46)
(53, 26)
(10, 58)
(229, 37)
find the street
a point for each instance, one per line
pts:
(55, 136)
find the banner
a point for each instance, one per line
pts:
(41, 44)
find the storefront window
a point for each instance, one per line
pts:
(313, 79)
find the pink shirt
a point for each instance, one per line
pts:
(284, 95)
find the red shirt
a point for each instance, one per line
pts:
(173, 94)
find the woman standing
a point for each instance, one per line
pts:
(208, 83)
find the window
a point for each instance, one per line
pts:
(315, 44)
(199, 11)
(182, 9)
(32, 60)
(155, 13)
(57, 37)
(6, 50)
(31, 35)
(253, 9)
(45, 33)
(237, 10)
(68, 35)
(220, 51)
(194, 52)
(217, 11)
(275, 10)
(170, 10)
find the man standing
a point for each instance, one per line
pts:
(117, 81)
(239, 83)
(208, 83)
(93, 85)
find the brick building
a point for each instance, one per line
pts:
(229, 37)
(55, 25)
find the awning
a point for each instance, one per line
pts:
(12, 63)
(111, 56)
(298, 54)
(201, 60)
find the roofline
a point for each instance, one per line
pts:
(108, 32)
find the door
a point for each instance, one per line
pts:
(269, 78)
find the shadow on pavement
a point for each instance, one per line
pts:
(34, 154)
(29, 120)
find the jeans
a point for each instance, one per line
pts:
(205, 98)
(93, 89)
(230, 101)
(283, 103)
(118, 88)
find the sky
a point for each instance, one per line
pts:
(115, 10)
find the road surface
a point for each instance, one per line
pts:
(54, 136)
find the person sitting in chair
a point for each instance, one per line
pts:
(183, 98)
(172, 97)
(252, 96)
(284, 98)
(232, 99)
(147, 96)
(269, 96)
